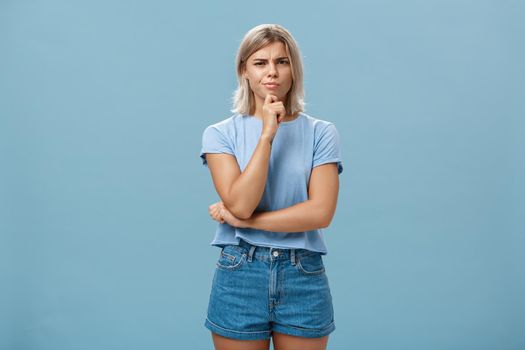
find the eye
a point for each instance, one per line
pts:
(261, 63)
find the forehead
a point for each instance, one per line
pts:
(276, 49)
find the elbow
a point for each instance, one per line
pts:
(240, 212)
(243, 215)
(326, 219)
(321, 214)
(324, 224)
(238, 208)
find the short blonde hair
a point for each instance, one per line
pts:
(257, 38)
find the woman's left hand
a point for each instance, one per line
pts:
(220, 213)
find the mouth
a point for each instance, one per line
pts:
(271, 85)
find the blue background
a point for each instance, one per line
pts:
(104, 201)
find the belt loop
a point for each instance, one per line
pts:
(250, 253)
(292, 254)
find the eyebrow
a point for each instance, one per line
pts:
(264, 59)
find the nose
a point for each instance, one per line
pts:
(273, 69)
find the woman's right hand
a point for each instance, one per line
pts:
(215, 212)
(273, 113)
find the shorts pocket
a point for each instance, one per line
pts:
(310, 264)
(231, 258)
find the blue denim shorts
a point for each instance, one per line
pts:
(257, 290)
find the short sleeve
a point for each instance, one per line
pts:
(327, 148)
(214, 141)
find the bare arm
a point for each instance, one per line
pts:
(316, 212)
(241, 192)
(304, 216)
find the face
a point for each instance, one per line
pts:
(270, 64)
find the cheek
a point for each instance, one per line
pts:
(259, 77)
(255, 78)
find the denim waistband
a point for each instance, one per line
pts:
(266, 253)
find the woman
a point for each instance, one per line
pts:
(276, 171)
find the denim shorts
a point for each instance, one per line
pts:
(257, 290)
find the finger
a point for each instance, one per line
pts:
(270, 99)
(281, 113)
(279, 107)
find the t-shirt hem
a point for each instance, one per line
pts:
(331, 160)
(282, 246)
(203, 156)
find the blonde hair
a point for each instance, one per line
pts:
(255, 39)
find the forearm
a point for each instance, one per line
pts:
(246, 192)
(304, 216)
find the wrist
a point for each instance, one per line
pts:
(267, 138)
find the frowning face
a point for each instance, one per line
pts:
(269, 72)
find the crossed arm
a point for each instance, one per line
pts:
(316, 212)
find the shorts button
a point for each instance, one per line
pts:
(275, 253)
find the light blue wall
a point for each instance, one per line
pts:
(104, 229)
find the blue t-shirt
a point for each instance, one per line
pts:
(298, 146)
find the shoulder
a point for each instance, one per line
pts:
(226, 127)
(318, 125)
(225, 124)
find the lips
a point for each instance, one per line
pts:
(271, 85)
